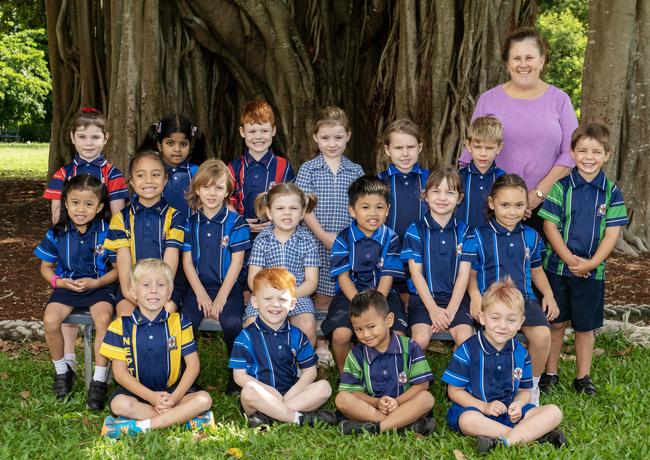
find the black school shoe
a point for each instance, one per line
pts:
(423, 426)
(97, 392)
(548, 381)
(584, 385)
(485, 444)
(555, 437)
(325, 417)
(352, 427)
(258, 419)
(63, 383)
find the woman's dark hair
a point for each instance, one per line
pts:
(175, 123)
(521, 34)
(83, 182)
(505, 181)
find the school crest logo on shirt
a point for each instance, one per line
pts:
(517, 373)
(602, 210)
(403, 378)
(380, 262)
(224, 241)
(171, 343)
(99, 250)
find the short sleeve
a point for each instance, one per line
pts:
(241, 356)
(175, 231)
(47, 249)
(118, 237)
(340, 256)
(419, 370)
(187, 238)
(568, 124)
(116, 186)
(303, 179)
(393, 265)
(240, 236)
(537, 251)
(289, 174)
(312, 257)
(412, 245)
(616, 213)
(306, 355)
(526, 381)
(112, 347)
(188, 344)
(55, 185)
(470, 249)
(552, 207)
(457, 373)
(352, 377)
(258, 253)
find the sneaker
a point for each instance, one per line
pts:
(351, 427)
(325, 358)
(114, 428)
(97, 392)
(202, 422)
(258, 419)
(485, 444)
(423, 426)
(325, 417)
(534, 396)
(548, 381)
(63, 383)
(555, 437)
(584, 385)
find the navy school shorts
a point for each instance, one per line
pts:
(455, 411)
(338, 314)
(535, 316)
(84, 300)
(580, 300)
(418, 313)
(231, 314)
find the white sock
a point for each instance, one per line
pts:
(144, 425)
(60, 366)
(535, 382)
(101, 373)
(71, 360)
(296, 418)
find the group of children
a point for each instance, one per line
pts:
(405, 252)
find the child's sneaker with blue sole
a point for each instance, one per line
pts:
(202, 422)
(115, 427)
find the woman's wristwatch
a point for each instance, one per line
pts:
(539, 193)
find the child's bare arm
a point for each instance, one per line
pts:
(460, 287)
(309, 285)
(385, 283)
(124, 268)
(171, 258)
(412, 392)
(307, 378)
(549, 305)
(236, 263)
(461, 397)
(474, 294)
(252, 271)
(55, 208)
(241, 378)
(94, 283)
(557, 243)
(606, 246)
(438, 316)
(374, 402)
(192, 368)
(203, 300)
(117, 206)
(347, 286)
(324, 237)
(125, 379)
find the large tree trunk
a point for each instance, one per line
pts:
(378, 59)
(615, 90)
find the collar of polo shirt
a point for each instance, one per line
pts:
(99, 161)
(501, 230)
(417, 169)
(600, 181)
(139, 318)
(218, 218)
(394, 348)
(471, 167)
(262, 326)
(184, 165)
(487, 347)
(265, 160)
(96, 225)
(377, 236)
(159, 207)
(433, 225)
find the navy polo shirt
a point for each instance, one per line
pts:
(476, 187)
(253, 177)
(76, 255)
(212, 242)
(406, 202)
(366, 258)
(270, 356)
(147, 231)
(439, 251)
(496, 252)
(152, 350)
(178, 183)
(487, 373)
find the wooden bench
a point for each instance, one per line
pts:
(211, 325)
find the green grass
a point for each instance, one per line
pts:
(614, 424)
(23, 161)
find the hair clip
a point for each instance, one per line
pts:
(88, 109)
(159, 127)
(194, 129)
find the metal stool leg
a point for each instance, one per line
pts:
(88, 354)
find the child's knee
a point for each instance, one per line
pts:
(426, 400)
(323, 388)
(559, 326)
(538, 336)
(52, 321)
(203, 400)
(122, 405)
(341, 336)
(554, 413)
(343, 400)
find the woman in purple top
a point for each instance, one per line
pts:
(538, 120)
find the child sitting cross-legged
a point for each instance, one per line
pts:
(490, 377)
(148, 350)
(385, 381)
(268, 355)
